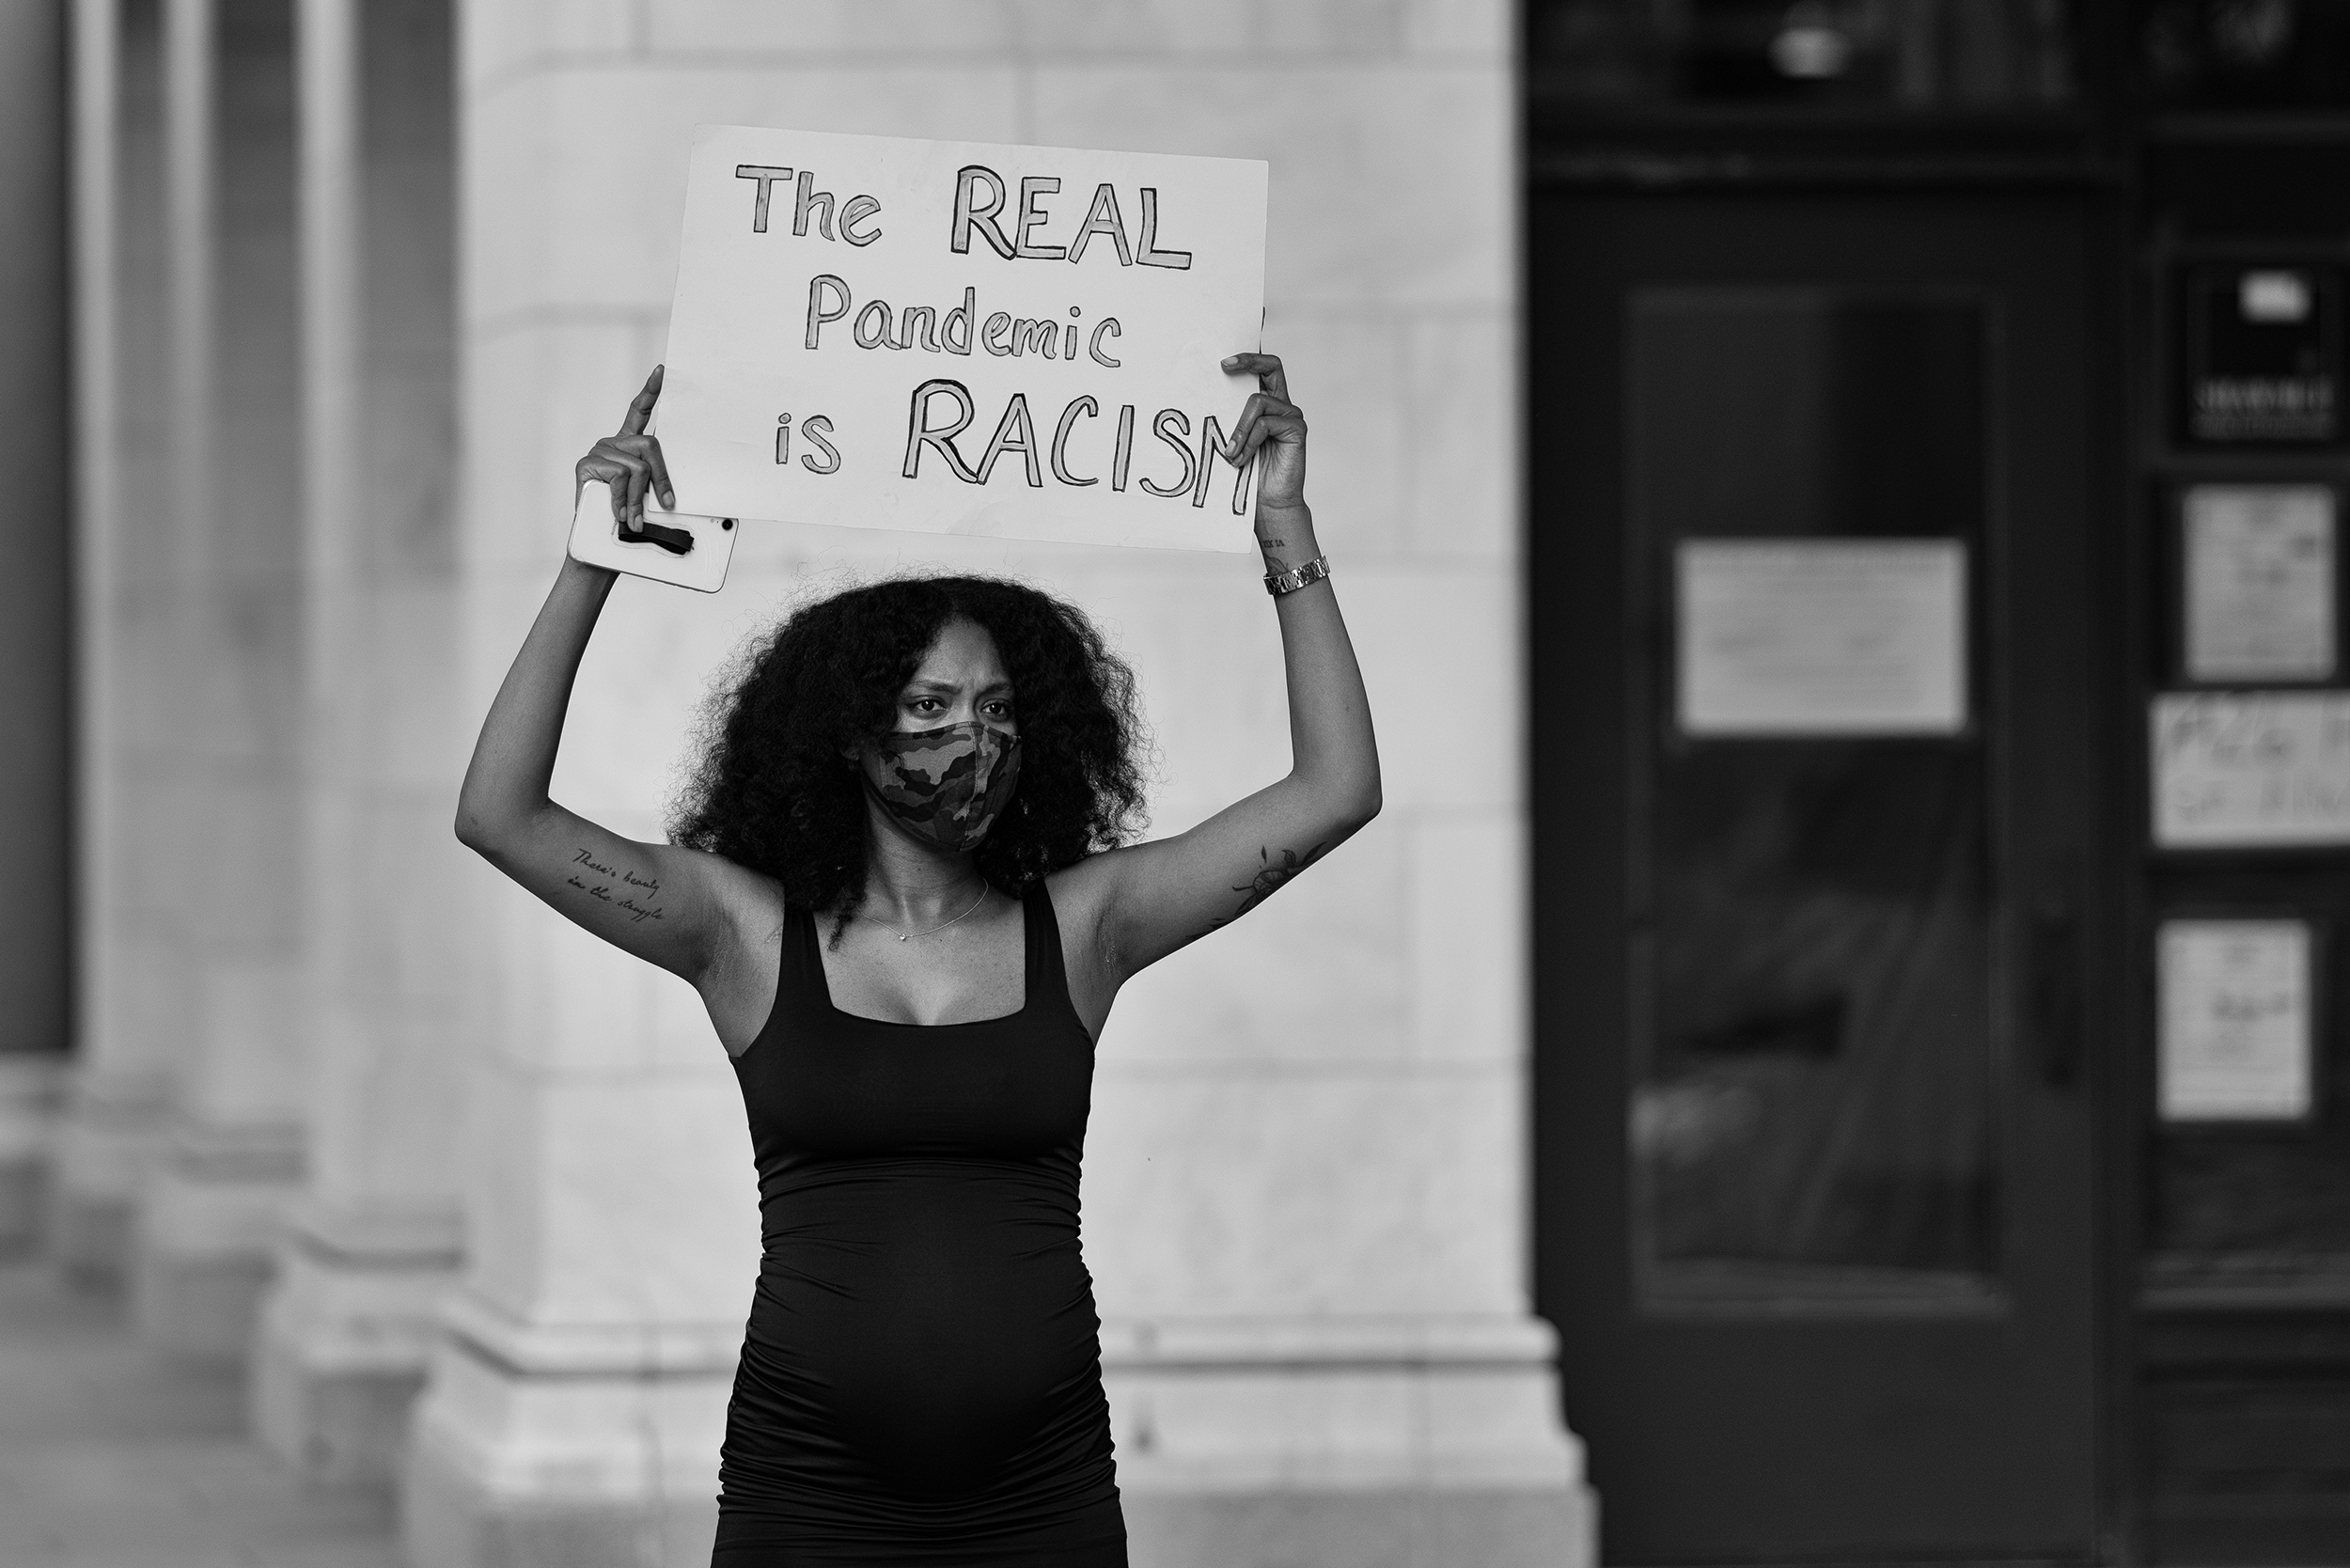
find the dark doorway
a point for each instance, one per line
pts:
(1814, 508)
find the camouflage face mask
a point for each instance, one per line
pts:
(947, 785)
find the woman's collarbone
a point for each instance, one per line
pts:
(963, 975)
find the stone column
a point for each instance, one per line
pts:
(1307, 1174)
(1306, 1203)
(207, 1224)
(131, 980)
(376, 1238)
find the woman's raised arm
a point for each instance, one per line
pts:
(663, 903)
(1151, 898)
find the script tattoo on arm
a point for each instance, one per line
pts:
(636, 895)
(1270, 878)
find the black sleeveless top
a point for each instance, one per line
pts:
(921, 1373)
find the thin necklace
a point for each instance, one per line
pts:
(957, 920)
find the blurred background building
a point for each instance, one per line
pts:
(1840, 502)
(1937, 460)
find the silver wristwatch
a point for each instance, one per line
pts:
(1280, 583)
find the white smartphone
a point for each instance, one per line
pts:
(683, 548)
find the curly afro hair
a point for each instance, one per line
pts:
(769, 791)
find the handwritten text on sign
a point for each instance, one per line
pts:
(2250, 768)
(963, 338)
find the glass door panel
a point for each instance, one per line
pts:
(1810, 1115)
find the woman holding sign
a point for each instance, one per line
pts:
(901, 885)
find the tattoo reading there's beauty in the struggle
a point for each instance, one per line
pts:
(1270, 879)
(601, 891)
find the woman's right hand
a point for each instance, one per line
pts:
(629, 462)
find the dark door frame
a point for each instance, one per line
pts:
(1559, 643)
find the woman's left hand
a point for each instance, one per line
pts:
(1273, 429)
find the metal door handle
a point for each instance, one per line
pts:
(2054, 1003)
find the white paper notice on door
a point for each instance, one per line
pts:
(2234, 1031)
(2260, 582)
(2250, 769)
(1821, 636)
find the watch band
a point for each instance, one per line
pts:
(1280, 583)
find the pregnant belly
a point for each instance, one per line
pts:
(938, 1329)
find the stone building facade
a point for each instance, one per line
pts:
(469, 1196)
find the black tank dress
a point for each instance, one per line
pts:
(921, 1376)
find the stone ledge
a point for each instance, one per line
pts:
(113, 1095)
(236, 1151)
(334, 1420)
(1341, 1429)
(1286, 1443)
(1549, 1528)
(578, 1470)
(1381, 1339)
(344, 1339)
(450, 1519)
(379, 1235)
(208, 1226)
(449, 1522)
(199, 1306)
(587, 1350)
(108, 1141)
(31, 1088)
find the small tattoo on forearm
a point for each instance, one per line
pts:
(1270, 878)
(601, 891)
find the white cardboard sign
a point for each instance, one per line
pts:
(963, 338)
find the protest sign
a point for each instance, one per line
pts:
(1018, 342)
